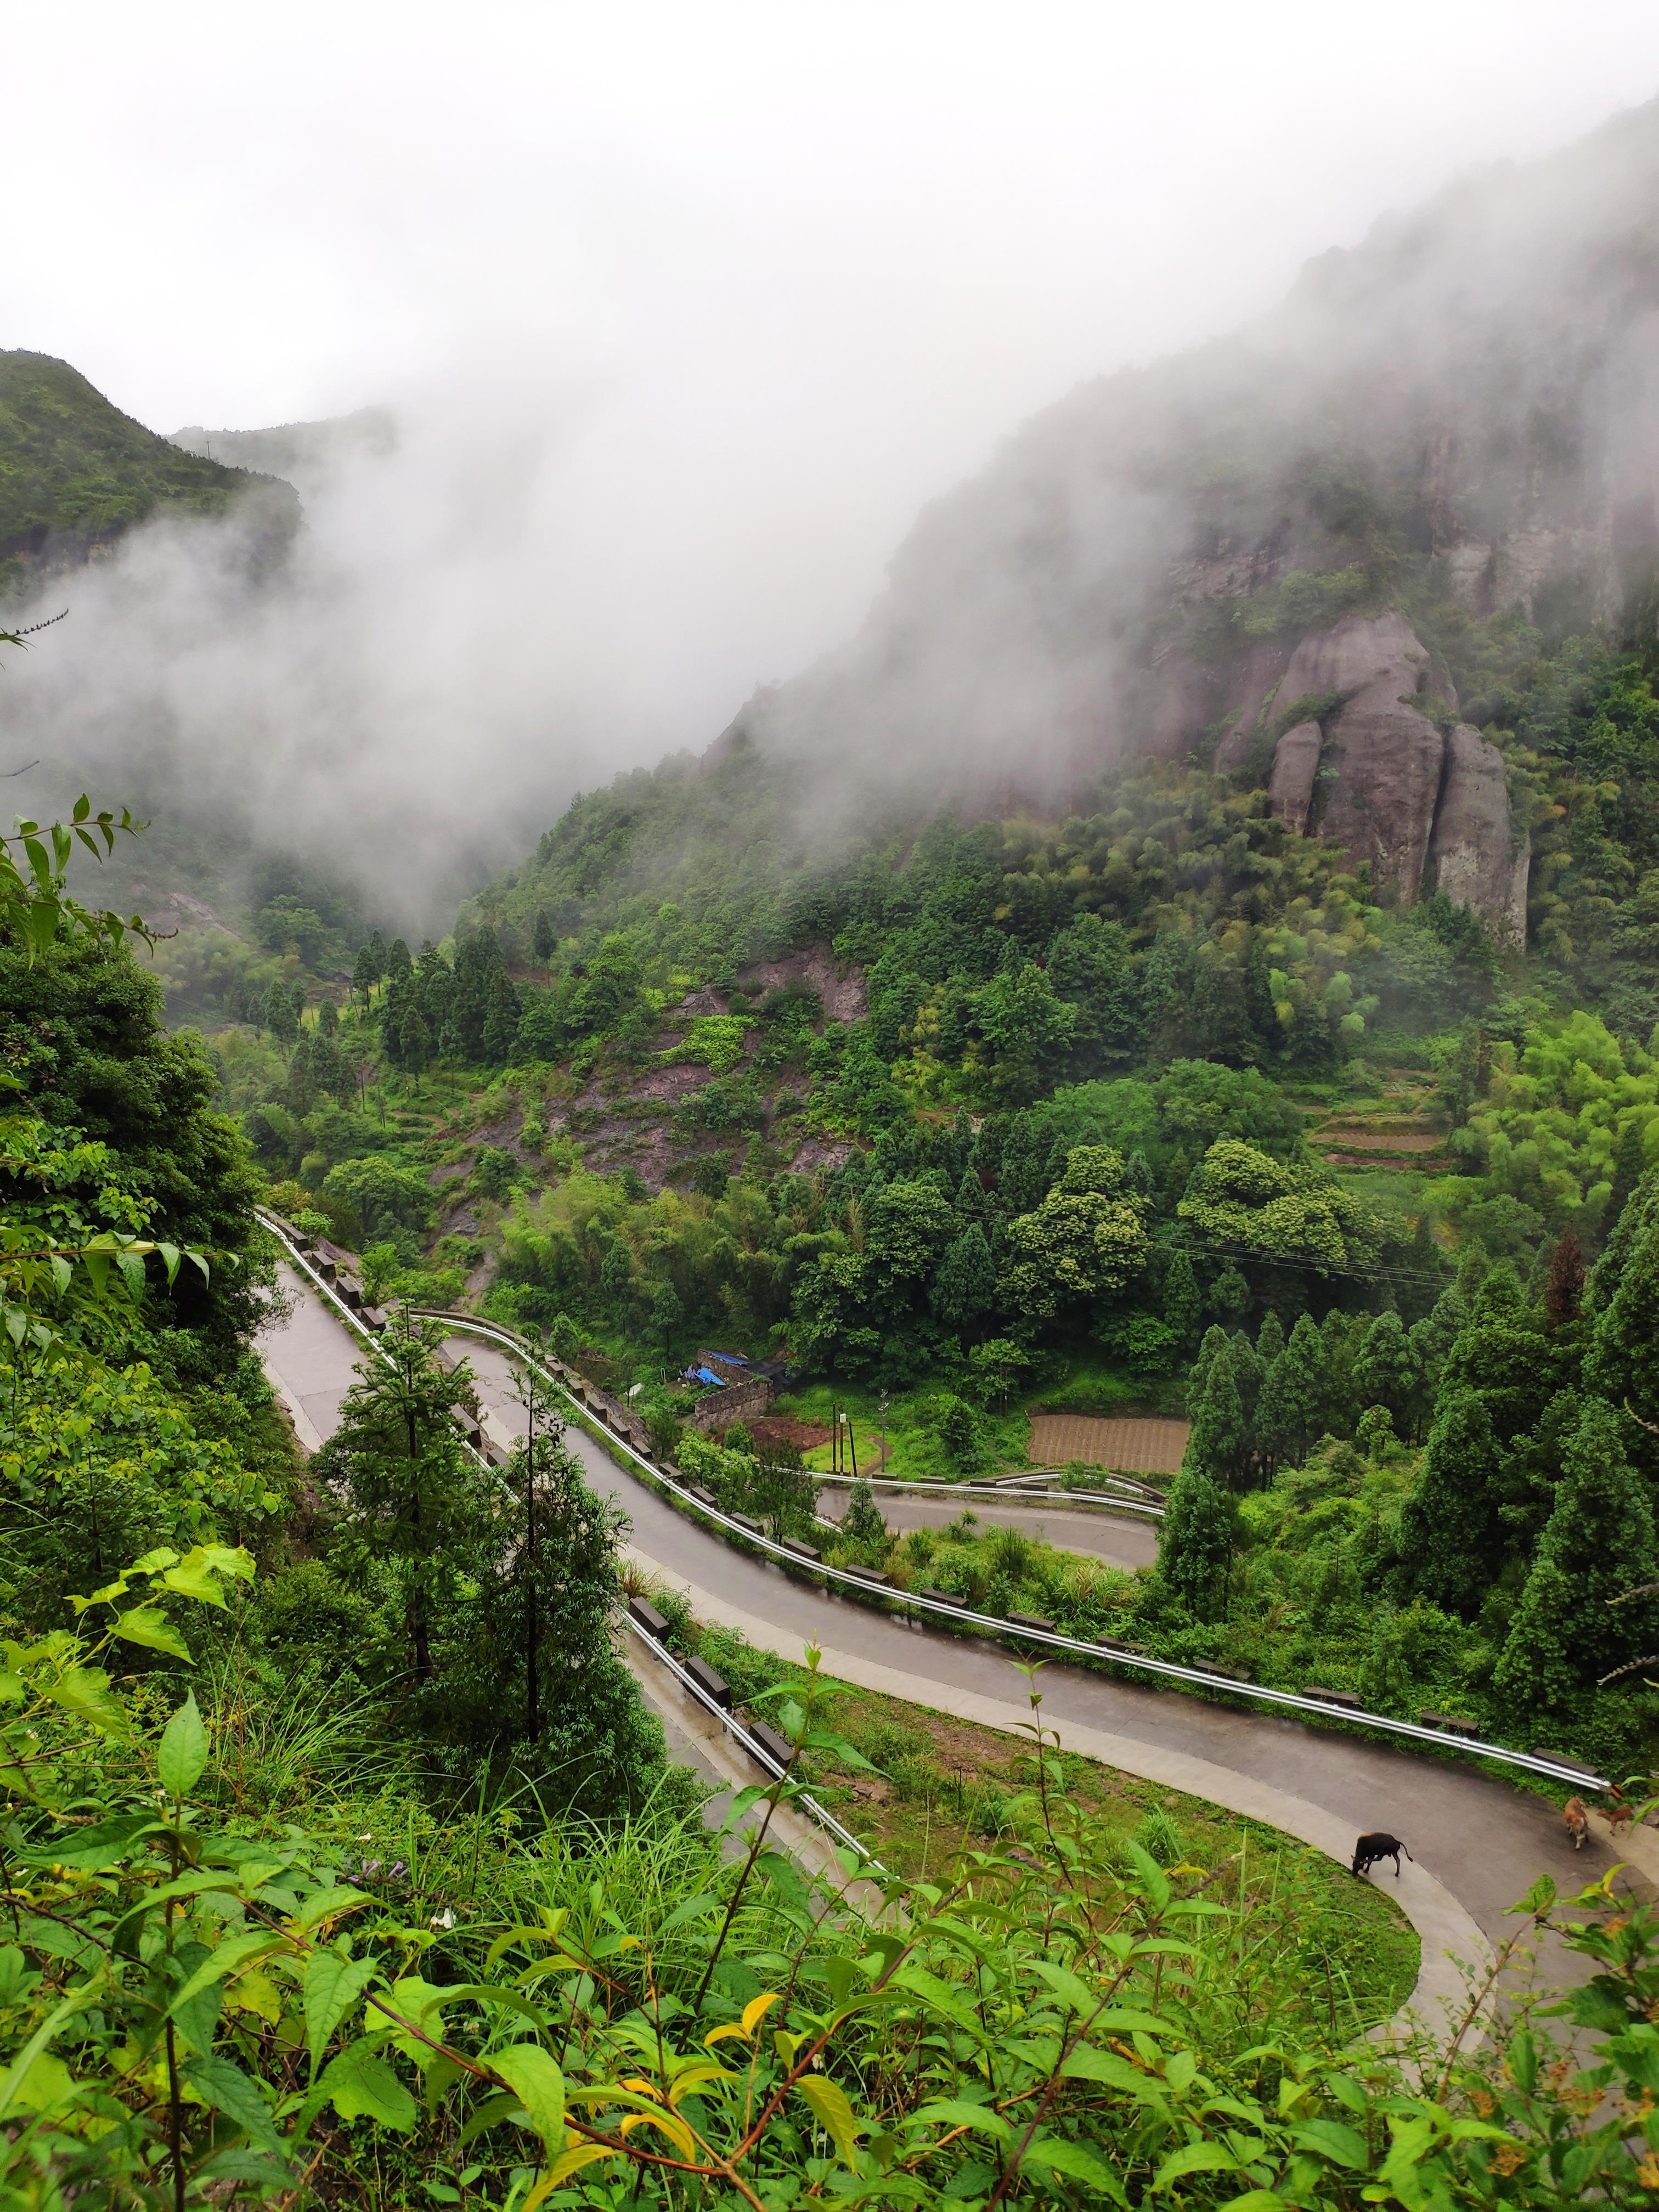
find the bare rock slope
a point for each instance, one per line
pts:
(1372, 765)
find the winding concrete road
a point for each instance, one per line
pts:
(1122, 1540)
(1478, 1842)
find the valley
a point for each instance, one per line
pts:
(1058, 1231)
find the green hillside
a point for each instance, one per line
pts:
(74, 471)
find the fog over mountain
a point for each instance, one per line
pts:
(1463, 403)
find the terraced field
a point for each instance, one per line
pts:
(1396, 1128)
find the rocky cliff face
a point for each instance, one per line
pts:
(1463, 411)
(1374, 766)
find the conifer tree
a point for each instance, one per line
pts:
(1269, 1339)
(1622, 1365)
(1249, 1374)
(1567, 1634)
(1628, 1229)
(1564, 1293)
(302, 1078)
(1195, 1541)
(862, 1526)
(501, 1020)
(1215, 1342)
(413, 1500)
(1452, 1532)
(1629, 1165)
(415, 1042)
(542, 940)
(666, 1314)
(1184, 1308)
(1386, 1370)
(1340, 1338)
(616, 1275)
(964, 1286)
(279, 1013)
(1473, 1270)
(1219, 1441)
(1291, 1412)
(1433, 1337)
(529, 1666)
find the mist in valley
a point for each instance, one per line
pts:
(670, 338)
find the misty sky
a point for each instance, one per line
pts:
(691, 305)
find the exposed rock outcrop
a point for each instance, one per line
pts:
(1296, 764)
(1384, 755)
(1422, 808)
(1472, 854)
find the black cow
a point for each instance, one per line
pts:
(1369, 1849)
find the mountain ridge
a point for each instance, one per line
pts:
(77, 474)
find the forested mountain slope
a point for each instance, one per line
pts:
(76, 474)
(1452, 421)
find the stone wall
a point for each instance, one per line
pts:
(738, 1402)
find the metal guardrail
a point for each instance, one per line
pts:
(757, 1751)
(988, 1493)
(988, 1623)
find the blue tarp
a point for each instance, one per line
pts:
(703, 1375)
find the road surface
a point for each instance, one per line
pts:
(1478, 1842)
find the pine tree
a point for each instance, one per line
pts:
(1386, 1372)
(1269, 1339)
(1215, 1342)
(301, 1080)
(1499, 1296)
(964, 1286)
(414, 1502)
(1452, 1532)
(415, 1042)
(529, 1665)
(1230, 1295)
(616, 1274)
(1184, 1308)
(501, 1020)
(1627, 1232)
(1473, 1270)
(971, 1196)
(1564, 1293)
(1290, 1415)
(665, 1314)
(1433, 1337)
(1195, 1541)
(542, 940)
(1339, 1339)
(1219, 1441)
(1136, 1176)
(1629, 1166)
(1622, 1365)
(862, 1526)
(1250, 1373)
(279, 1013)
(1566, 1633)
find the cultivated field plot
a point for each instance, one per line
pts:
(1149, 1447)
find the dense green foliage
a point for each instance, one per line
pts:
(72, 465)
